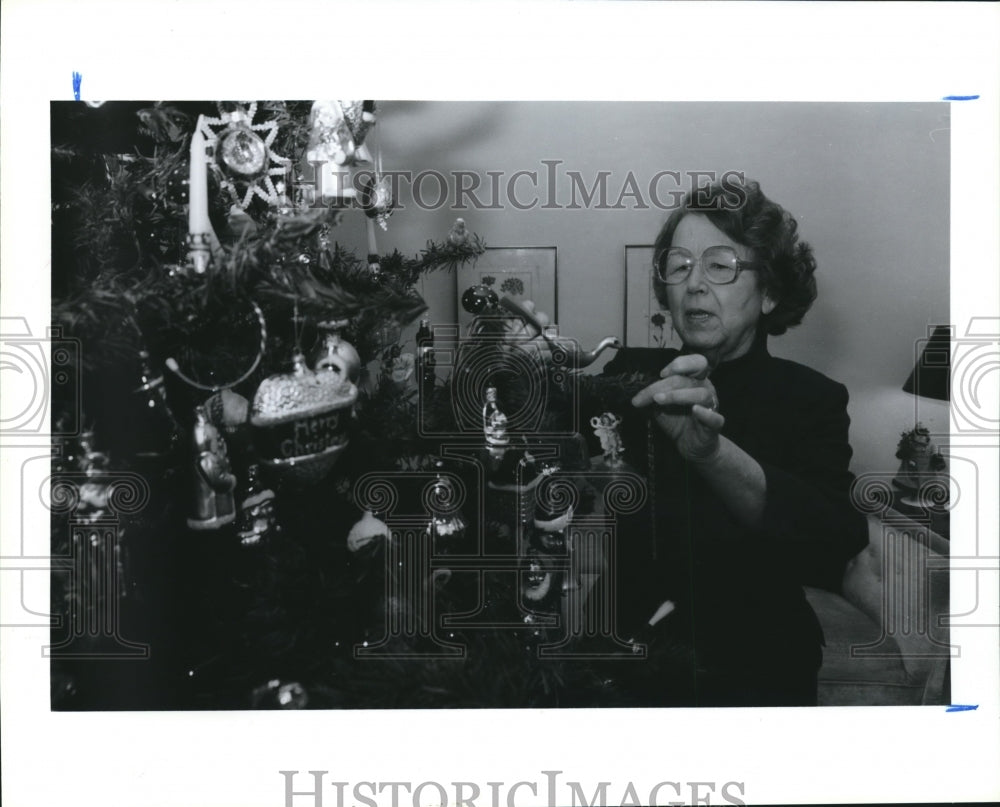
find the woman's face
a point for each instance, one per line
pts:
(718, 321)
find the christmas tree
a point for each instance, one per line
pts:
(240, 395)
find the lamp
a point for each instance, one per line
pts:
(921, 463)
(931, 374)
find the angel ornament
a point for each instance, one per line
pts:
(606, 428)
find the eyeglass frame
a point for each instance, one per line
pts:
(741, 265)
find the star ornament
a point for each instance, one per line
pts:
(242, 156)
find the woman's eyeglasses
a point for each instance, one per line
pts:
(720, 265)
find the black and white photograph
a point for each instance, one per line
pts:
(337, 491)
(514, 422)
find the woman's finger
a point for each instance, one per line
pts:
(686, 396)
(647, 395)
(693, 365)
(708, 417)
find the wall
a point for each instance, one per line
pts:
(868, 183)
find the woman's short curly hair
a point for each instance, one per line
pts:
(785, 265)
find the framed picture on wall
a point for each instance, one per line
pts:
(521, 273)
(646, 323)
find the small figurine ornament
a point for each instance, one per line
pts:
(336, 354)
(257, 519)
(95, 490)
(606, 428)
(338, 130)
(459, 233)
(213, 481)
(494, 421)
(403, 370)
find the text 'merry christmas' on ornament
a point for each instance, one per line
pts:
(301, 420)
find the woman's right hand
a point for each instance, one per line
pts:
(684, 405)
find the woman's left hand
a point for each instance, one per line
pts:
(685, 407)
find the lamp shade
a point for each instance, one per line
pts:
(931, 376)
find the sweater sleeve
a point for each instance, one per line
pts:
(808, 515)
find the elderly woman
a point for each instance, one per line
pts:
(751, 480)
(749, 469)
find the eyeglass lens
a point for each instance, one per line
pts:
(720, 264)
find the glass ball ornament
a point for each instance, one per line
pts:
(480, 298)
(176, 191)
(243, 153)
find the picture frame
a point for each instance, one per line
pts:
(521, 273)
(647, 324)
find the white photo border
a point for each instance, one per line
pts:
(882, 52)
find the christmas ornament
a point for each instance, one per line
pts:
(446, 528)
(242, 156)
(426, 361)
(301, 420)
(213, 481)
(365, 531)
(494, 420)
(175, 189)
(605, 428)
(338, 129)
(94, 490)
(257, 520)
(335, 354)
(201, 236)
(360, 117)
(541, 588)
(240, 225)
(425, 336)
(554, 508)
(175, 368)
(164, 422)
(554, 505)
(458, 235)
(374, 262)
(303, 192)
(513, 476)
(276, 695)
(478, 299)
(376, 199)
(403, 370)
(228, 410)
(242, 151)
